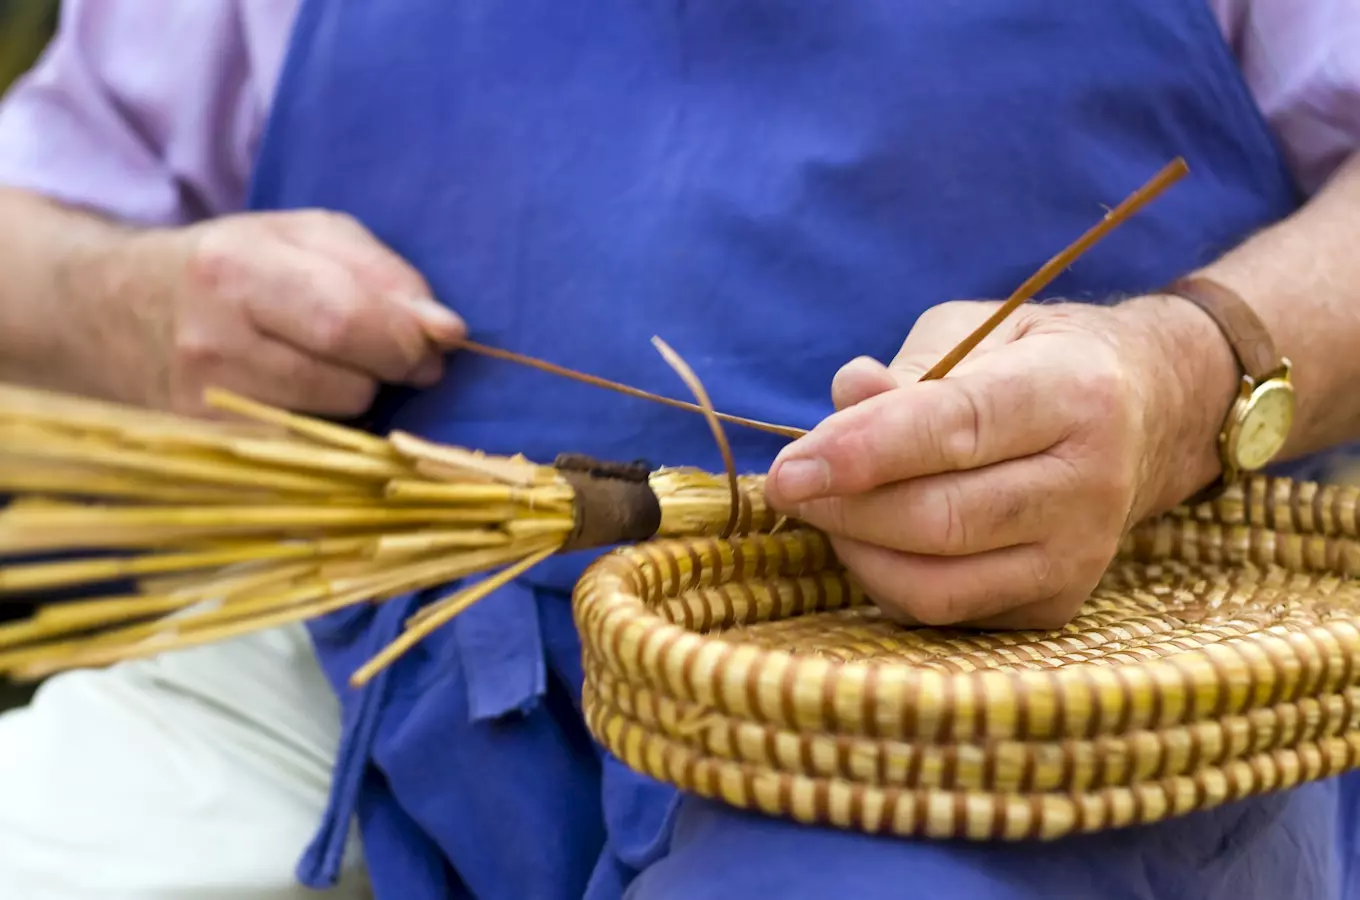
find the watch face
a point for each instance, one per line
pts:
(1265, 425)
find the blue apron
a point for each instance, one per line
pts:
(774, 187)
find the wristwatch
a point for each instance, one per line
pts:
(1262, 412)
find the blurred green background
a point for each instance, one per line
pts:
(25, 26)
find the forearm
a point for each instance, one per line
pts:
(1302, 277)
(66, 322)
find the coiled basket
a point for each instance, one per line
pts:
(1216, 660)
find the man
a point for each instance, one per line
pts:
(777, 187)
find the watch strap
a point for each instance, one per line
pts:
(1249, 340)
(1245, 332)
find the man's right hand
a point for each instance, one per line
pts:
(303, 310)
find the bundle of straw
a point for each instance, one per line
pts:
(230, 527)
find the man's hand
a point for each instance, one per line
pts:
(997, 496)
(304, 310)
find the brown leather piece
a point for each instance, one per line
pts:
(615, 503)
(638, 470)
(1243, 329)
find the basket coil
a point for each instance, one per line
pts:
(1216, 660)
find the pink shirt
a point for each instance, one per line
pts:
(150, 110)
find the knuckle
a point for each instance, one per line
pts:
(214, 264)
(835, 515)
(1045, 574)
(196, 349)
(334, 325)
(851, 458)
(1069, 475)
(829, 514)
(953, 528)
(316, 228)
(319, 217)
(941, 313)
(1104, 381)
(1012, 506)
(339, 218)
(957, 437)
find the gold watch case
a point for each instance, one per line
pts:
(1261, 419)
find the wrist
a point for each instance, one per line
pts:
(116, 283)
(1190, 377)
(68, 308)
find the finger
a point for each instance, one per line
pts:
(940, 591)
(910, 369)
(958, 513)
(1043, 615)
(314, 305)
(860, 379)
(441, 325)
(285, 377)
(1018, 405)
(865, 377)
(379, 270)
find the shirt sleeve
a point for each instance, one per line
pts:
(1301, 61)
(144, 110)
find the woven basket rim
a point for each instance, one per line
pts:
(615, 610)
(879, 697)
(1188, 682)
(971, 814)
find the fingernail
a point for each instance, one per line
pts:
(441, 322)
(797, 480)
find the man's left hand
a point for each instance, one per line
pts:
(998, 495)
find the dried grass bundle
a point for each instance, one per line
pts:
(230, 527)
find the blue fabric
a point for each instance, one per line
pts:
(1281, 846)
(775, 187)
(514, 672)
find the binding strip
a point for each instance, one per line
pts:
(615, 503)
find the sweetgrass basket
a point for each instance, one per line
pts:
(1217, 660)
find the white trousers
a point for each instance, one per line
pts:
(199, 775)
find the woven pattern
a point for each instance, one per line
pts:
(1219, 658)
